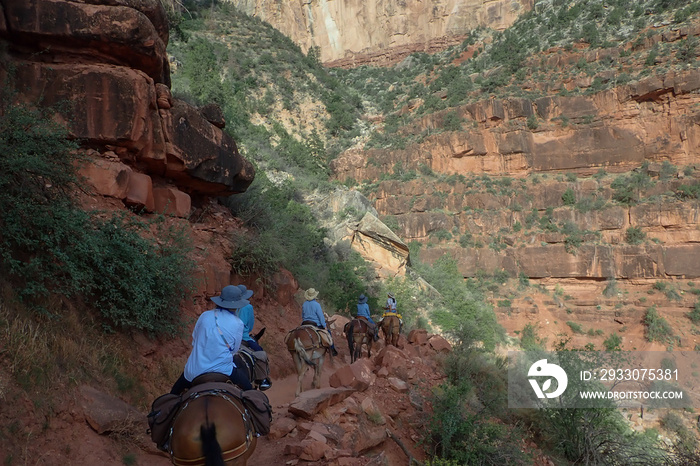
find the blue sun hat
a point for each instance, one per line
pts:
(362, 299)
(231, 298)
(246, 293)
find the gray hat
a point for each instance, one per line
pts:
(245, 291)
(231, 298)
(362, 299)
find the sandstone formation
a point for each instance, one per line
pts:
(350, 217)
(356, 32)
(616, 129)
(102, 68)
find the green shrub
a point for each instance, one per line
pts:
(255, 255)
(611, 289)
(635, 235)
(529, 340)
(532, 122)
(694, 315)
(657, 328)
(464, 424)
(523, 280)
(461, 308)
(569, 197)
(575, 327)
(452, 121)
(442, 235)
(613, 342)
(49, 245)
(688, 191)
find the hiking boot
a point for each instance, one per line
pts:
(265, 384)
(334, 351)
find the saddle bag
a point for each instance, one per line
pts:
(258, 406)
(261, 365)
(163, 411)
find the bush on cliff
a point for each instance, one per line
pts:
(48, 245)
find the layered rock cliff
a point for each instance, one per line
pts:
(102, 68)
(356, 32)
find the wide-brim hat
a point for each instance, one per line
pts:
(362, 299)
(230, 298)
(391, 295)
(245, 292)
(310, 294)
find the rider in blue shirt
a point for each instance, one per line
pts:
(363, 311)
(247, 315)
(216, 338)
(311, 313)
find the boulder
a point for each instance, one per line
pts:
(439, 344)
(371, 409)
(357, 375)
(105, 413)
(281, 427)
(398, 385)
(214, 115)
(172, 201)
(140, 192)
(328, 432)
(313, 450)
(310, 402)
(202, 157)
(109, 178)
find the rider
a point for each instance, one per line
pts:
(247, 315)
(390, 308)
(363, 311)
(215, 339)
(312, 314)
(390, 303)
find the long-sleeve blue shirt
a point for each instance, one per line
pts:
(363, 311)
(311, 311)
(247, 315)
(213, 351)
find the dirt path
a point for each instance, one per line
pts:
(281, 394)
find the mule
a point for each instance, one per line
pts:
(307, 349)
(391, 326)
(359, 332)
(212, 430)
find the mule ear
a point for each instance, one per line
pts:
(258, 335)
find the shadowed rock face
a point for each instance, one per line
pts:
(102, 67)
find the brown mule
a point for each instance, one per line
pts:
(308, 350)
(212, 429)
(391, 326)
(359, 332)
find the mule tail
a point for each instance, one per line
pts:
(301, 351)
(210, 446)
(351, 340)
